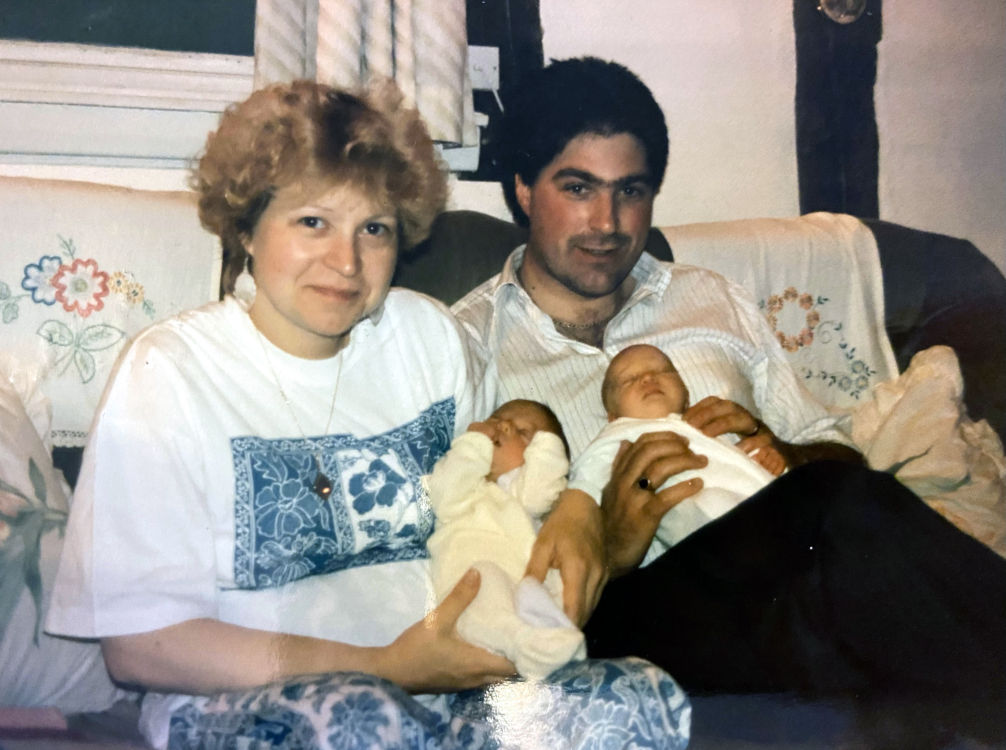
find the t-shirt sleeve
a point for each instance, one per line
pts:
(139, 552)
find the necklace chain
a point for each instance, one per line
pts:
(322, 485)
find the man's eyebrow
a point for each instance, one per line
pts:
(593, 179)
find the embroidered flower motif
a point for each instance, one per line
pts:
(81, 286)
(38, 279)
(118, 282)
(805, 336)
(133, 294)
(378, 485)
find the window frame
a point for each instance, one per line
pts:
(64, 103)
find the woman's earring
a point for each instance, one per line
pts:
(244, 285)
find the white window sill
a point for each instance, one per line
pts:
(116, 106)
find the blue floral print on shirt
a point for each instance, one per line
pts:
(376, 512)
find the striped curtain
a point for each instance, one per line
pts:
(421, 44)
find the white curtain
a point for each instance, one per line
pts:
(421, 44)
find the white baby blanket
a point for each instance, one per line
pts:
(88, 267)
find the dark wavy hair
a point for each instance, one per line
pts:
(287, 132)
(568, 98)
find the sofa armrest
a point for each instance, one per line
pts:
(943, 290)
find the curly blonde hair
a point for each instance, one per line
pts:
(288, 132)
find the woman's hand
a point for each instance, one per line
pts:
(572, 540)
(633, 511)
(430, 656)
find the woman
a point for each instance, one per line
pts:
(248, 534)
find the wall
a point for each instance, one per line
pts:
(941, 101)
(724, 74)
(725, 77)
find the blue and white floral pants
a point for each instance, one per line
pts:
(623, 703)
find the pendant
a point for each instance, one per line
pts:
(322, 484)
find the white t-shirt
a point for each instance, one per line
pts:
(710, 328)
(730, 477)
(195, 496)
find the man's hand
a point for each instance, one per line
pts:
(633, 511)
(716, 416)
(572, 540)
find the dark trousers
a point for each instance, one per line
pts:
(833, 580)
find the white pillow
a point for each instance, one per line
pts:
(85, 267)
(37, 669)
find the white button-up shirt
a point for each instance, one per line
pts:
(710, 328)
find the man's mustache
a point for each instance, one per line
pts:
(614, 239)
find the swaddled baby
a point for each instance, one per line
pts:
(643, 392)
(488, 492)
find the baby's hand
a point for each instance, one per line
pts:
(769, 459)
(484, 427)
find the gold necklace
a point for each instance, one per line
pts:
(322, 485)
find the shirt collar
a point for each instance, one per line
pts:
(652, 278)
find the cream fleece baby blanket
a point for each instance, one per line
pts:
(492, 526)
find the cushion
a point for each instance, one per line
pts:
(83, 268)
(36, 669)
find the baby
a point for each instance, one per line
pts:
(488, 492)
(643, 392)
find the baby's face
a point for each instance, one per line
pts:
(511, 428)
(644, 385)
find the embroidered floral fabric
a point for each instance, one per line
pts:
(91, 266)
(818, 280)
(625, 703)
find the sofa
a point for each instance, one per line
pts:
(928, 290)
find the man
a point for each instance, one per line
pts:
(834, 579)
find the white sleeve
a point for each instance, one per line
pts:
(455, 477)
(139, 553)
(544, 473)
